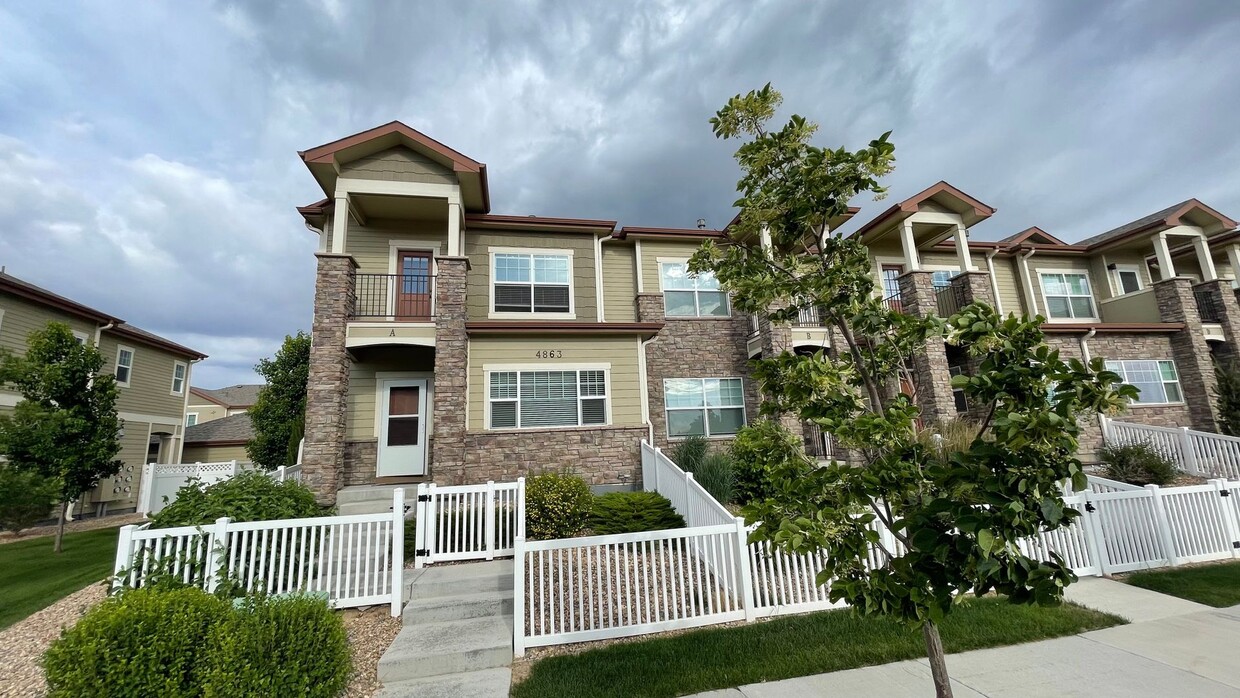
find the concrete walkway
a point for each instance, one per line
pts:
(1173, 648)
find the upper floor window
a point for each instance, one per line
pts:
(532, 399)
(124, 366)
(191, 419)
(942, 278)
(1127, 279)
(704, 406)
(532, 282)
(690, 295)
(1067, 295)
(178, 378)
(1157, 381)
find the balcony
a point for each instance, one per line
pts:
(949, 299)
(818, 443)
(809, 317)
(394, 297)
(894, 302)
(1209, 306)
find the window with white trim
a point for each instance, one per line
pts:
(1157, 381)
(533, 399)
(704, 406)
(124, 365)
(191, 419)
(532, 283)
(1127, 279)
(691, 295)
(178, 377)
(1067, 295)
(81, 337)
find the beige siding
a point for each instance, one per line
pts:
(478, 245)
(361, 420)
(150, 381)
(371, 244)
(620, 352)
(201, 453)
(652, 250)
(1039, 264)
(1009, 284)
(207, 412)
(1141, 306)
(133, 455)
(1106, 279)
(400, 165)
(22, 317)
(619, 283)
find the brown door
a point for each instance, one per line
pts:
(413, 286)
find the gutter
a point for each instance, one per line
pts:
(643, 387)
(994, 283)
(1022, 263)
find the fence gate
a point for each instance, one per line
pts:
(468, 522)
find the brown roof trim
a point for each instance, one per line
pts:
(1132, 327)
(1171, 219)
(1040, 246)
(668, 233)
(1028, 233)
(1174, 218)
(909, 206)
(206, 396)
(561, 327)
(588, 225)
(144, 337)
(17, 287)
(847, 215)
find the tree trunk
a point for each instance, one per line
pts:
(60, 526)
(938, 663)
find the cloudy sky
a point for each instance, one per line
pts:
(148, 159)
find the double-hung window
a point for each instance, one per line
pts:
(533, 399)
(704, 406)
(178, 378)
(690, 295)
(532, 282)
(1157, 381)
(124, 366)
(1067, 295)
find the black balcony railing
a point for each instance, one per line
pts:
(894, 302)
(818, 443)
(949, 299)
(399, 297)
(1209, 305)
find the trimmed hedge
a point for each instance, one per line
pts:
(633, 512)
(557, 505)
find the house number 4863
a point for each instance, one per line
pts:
(549, 354)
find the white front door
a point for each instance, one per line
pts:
(402, 429)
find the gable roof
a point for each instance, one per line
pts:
(1033, 235)
(1170, 216)
(975, 209)
(234, 396)
(234, 430)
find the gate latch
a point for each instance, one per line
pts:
(424, 498)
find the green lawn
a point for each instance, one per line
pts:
(33, 577)
(710, 659)
(1213, 585)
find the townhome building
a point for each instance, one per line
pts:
(453, 343)
(207, 405)
(152, 377)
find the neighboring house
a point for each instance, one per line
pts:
(218, 440)
(153, 376)
(451, 341)
(206, 405)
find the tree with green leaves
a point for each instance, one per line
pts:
(1227, 396)
(279, 414)
(65, 428)
(950, 516)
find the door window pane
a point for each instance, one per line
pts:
(402, 431)
(403, 401)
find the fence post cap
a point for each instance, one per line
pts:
(1151, 487)
(688, 476)
(223, 520)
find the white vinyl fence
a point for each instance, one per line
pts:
(691, 500)
(1195, 452)
(354, 560)
(161, 481)
(468, 522)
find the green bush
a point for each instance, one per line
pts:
(717, 475)
(187, 643)
(633, 512)
(1137, 464)
(25, 498)
(758, 450)
(690, 453)
(143, 642)
(557, 505)
(250, 496)
(273, 646)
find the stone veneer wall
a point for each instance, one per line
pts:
(448, 447)
(934, 388)
(360, 461)
(1228, 350)
(974, 287)
(693, 348)
(600, 455)
(328, 385)
(1190, 349)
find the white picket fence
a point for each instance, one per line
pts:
(162, 480)
(468, 522)
(354, 560)
(1199, 453)
(695, 504)
(287, 472)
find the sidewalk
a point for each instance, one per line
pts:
(1172, 648)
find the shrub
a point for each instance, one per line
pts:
(557, 505)
(717, 475)
(633, 512)
(1227, 395)
(758, 450)
(1137, 464)
(25, 498)
(269, 646)
(143, 642)
(250, 496)
(690, 453)
(411, 538)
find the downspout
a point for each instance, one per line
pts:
(1027, 280)
(189, 370)
(644, 388)
(1085, 357)
(994, 283)
(99, 331)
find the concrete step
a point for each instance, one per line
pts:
(421, 611)
(489, 683)
(368, 493)
(377, 506)
(453, 588)
(451, 580)
(447, 647)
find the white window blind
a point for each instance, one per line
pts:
(532, 283)
(533, 399)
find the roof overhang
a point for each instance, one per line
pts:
(30, 292)
(630, 232)
(206, 396)
(970, 210)
(535, 327)
(476, 221)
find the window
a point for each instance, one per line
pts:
(1128, 279)
(81, 337)
(531, 283)
(891, 280)
(124, 366)
(962, 405)
(942, 278)
(1067, 296)
(178, 378)
(704, 406)
(690, 295)
(532, 399)
(1157, 380)
(191, 419)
